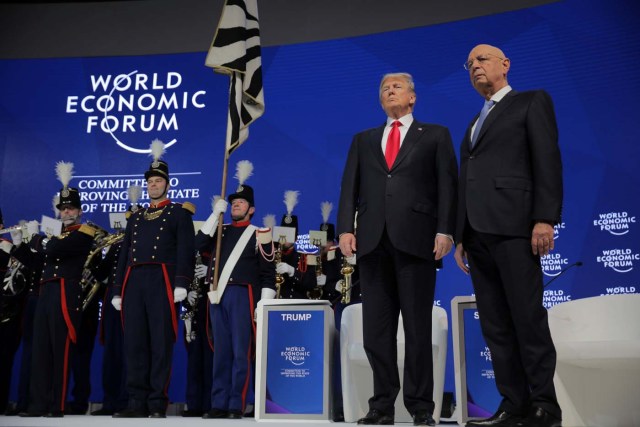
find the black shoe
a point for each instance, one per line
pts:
(499, 419)
(32, 414)
(235, 414)
(75, 410)
(423, 418)
(131, 413)
(190, 413)
(375, 417)
(216, 413)
(103, 411)
(13, 412)
(539, 417)
(338, 416)
(54, 414)
(158, 414)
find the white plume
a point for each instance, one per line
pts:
(269, 221)
(54, 203)
(214, 199)
(290, 200)
(326, 208)
(244, 169)
(157, 149)
(134, 192)
(64, 171)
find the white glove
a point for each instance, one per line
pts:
(116, 302)
(209, 226)
(33, 228)
(192, 297)
(16, 237)
(200, 271)
(267, 293)
(282, 268)
(220, 207)
(321, 280)
(179, 294)
(6, 246)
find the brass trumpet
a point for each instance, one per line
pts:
(278, 259)
(345, 284)
(90, 285)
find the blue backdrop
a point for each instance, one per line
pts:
(584, 53)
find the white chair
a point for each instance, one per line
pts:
(357, 377)
(598, 368)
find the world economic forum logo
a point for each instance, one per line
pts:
(130, 106)
(297, 355)
(553, 263)
(620, 260)
(616, 223)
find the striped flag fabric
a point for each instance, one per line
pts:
(235, 51)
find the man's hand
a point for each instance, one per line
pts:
(442, 246)
(220, 207)
(192, 297)
(321, 280)
(179, 294)
(461, 258)
(284, 268)
(542, 239)
(200, 271)
(116, 302)
(347, 244)
(16, 237)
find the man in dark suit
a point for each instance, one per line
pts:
(510, 197)
(400, 178)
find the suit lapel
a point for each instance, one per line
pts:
(494, 114)
(413, 134)
(376, 147)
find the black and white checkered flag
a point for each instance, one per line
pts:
(235, 51)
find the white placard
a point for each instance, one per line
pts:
(289, 234)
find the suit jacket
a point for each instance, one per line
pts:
(414, 200)
(513, 175)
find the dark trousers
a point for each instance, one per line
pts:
(81, 360)
(199, 362)
(27, 351)
(507, 280)
(114, 375)
(148, 337)
(10, 334)
(233, 337)
(51, 350)
(393, 282)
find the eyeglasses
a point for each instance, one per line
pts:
(481, 59)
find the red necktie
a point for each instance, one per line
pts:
(393, 144)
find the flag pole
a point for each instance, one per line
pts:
(214, 285)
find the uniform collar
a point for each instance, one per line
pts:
(240, 223)
(73, 227)
(161, 204)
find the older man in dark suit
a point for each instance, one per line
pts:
(400, 178)
(510, 197)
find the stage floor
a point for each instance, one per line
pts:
(102, 421)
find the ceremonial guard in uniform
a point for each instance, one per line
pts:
(10, 313)
(29, 271)
(247, 274)
(155, 269)
(291, 266)
(58, 311)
